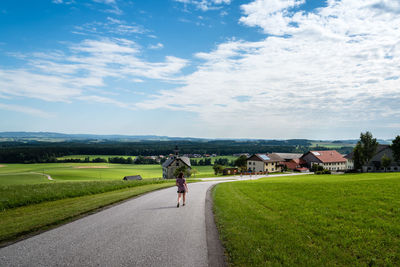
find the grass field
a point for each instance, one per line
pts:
(20, 221)
(30, 173)
(330, 145)
(230, 158)
(336, 220)
(13, 196)
(91, 157)
(11, 174)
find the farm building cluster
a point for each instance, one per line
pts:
(277, 162)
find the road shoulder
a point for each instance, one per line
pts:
(215, 250)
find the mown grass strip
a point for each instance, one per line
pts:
(13, 196)
(348, 220)
(23, 220)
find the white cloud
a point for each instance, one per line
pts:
(26, 110)
(336, 66)
(106, 100)
(205, 5)
(25, 83)
(156, 46)
(66, 2)
(112, 27)
(78, 72)
(108, 2)
(273, 16)
(111, 3)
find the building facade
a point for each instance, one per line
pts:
(292, 161)
(375, 164)
(174, 162)
(349, 161)
(328, 159)
(264, 163)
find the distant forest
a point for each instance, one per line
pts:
(47, 152)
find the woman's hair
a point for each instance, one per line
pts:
(181, 175)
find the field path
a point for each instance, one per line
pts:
(47, 175)
(146, 231)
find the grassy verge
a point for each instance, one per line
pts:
(23, 220)
(13, 196)
(347, 220)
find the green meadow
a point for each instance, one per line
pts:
(329, 145)
(91, 157)
(332, 220)
(35, 173)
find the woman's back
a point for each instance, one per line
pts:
(181, 183)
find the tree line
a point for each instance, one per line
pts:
(48, 152)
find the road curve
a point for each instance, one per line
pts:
(146, 231)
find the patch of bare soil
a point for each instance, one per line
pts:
(91, 167)
(2, 166)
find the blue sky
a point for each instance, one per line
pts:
(201, 68)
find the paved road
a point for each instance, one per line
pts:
(146, 231)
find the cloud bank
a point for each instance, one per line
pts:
(338, 66)
(83, 69)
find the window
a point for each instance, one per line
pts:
(177, 163)
(272, 169)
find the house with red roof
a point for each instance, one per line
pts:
(292, 161)
(329, 159)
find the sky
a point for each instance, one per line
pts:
(265, 69)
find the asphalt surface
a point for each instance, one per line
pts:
(146, 231)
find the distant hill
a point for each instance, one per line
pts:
(61, 137)
(56, 137)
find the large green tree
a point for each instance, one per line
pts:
(184, 169)
(364, 150)
(385, 161)
(241, 162)
(396, 149)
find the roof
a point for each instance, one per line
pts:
(299, 161)
(349, 156)
(327, 156)
(267, 157)
(168, 162)
(379, 149)
(287, 156)
(291, 165)
(186, 160)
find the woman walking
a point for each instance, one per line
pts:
(182, 188)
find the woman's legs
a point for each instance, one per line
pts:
(179, 197)
(184, 198)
